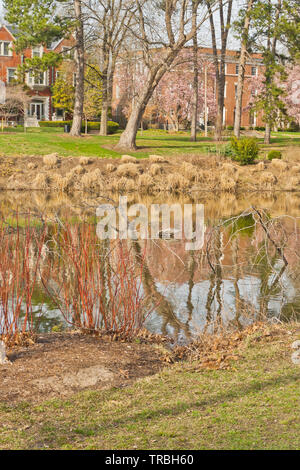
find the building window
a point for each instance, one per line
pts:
(67, 52)
(36, 78)
(253, 71)
(11, 75)
(237, 69)
(37, 51)
(235, 90)
(74, 79)
(5, 48)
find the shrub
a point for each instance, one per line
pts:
(260, 128)
(112, 126)
(230, 128)
(244, 150)
(274, 154)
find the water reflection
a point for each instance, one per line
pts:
(242, 273)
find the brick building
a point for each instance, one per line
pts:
(121, 94)
(39, 84)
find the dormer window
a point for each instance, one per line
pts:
(37, 51)
(5, 48)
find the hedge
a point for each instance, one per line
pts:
(111, 125)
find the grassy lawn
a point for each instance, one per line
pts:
(255, 405)
(43, 141)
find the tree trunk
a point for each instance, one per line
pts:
(220, 107)
(195, 77)
(241, 76)
(267, 138)
(104, 109)
(79, 61)
(128, 137)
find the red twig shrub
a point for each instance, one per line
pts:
(96, 284)
(20, 255)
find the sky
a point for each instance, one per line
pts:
(204, 36)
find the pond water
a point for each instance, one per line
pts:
(248, 268)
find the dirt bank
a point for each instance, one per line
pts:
(152, 175)
(60, 364)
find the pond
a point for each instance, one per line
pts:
(247, 269)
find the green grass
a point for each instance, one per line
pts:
(42, 141)
(253, 406)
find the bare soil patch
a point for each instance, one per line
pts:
(61, 364)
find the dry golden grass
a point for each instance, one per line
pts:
(260, 166)
(128, 169)
(157, 159)
(279, 164)
(128, 159)
(176, 181)
(145, 183)
(85, 161)
(189, 171)
(32, 166)
(122, 184)
(92, 180)
(155, 169)
(41, 181)
(267, 180)
(77, 170)
(59, 182)
(227, 183)
(295, 170)
(51, 160)
(110, 167)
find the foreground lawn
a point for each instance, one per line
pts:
(255, 405)
(42, 141)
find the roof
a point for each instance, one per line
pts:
(12, 29)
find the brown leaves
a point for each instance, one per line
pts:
(216, 352)
(20, 339)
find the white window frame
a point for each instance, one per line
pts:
(8, 69)
(67, 52)
(252, 67)
(41, 51)
(10, 52)
(31, 79)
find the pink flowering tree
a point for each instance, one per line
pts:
(292, 90)
(172, 99)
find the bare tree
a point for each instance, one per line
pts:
(242, 63)
(225, 13)
(163, 29)
(111, 20)
(195, 5)
(79, 64)
(15, 104)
